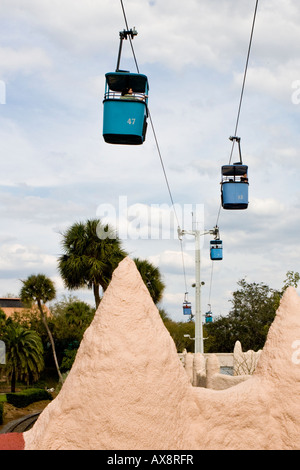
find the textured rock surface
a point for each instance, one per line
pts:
(264, 411)
(128, 390)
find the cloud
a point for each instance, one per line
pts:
(56, 169)
(24, 60)
(16, 257)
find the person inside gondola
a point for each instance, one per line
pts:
(126, 93)
(244, 178)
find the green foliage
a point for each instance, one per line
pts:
(31, 320)
(152, 278)
(70, 318)
(2, 320)
(68, 359)
(28, 396)
(177, 330)
(24, 354)
(37, 288)
(292, 279)
(92, 251)
(40, 289)
(253, 311)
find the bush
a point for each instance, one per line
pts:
(26, 397)
(1, 413)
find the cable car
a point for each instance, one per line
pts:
(216, 250)
(125, 114)
(125, 104)
(208, 317)
(234, 184)
(187, 306)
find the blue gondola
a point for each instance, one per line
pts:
(187, 306)
(125, 104)
(234, 192)
(216, 250)
(208, 317)
(235, 184)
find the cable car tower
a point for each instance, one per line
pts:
(199, 346)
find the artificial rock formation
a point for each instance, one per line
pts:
(128, 390)
(244, 363)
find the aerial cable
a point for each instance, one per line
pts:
(244, 79)
(158, 148)
(238, 113)
(242, 91)
(131, 45)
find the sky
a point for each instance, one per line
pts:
(56, 168)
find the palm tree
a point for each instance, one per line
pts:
(152, 278)
(40, 289)
(89, 258)
(24, 354)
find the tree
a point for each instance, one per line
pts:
(24, 354)
(183, 333)
(92, 251)
(253, 311)
(70, 318)
(40, 289)
(2, 320)
(152, 278)
(292, 279)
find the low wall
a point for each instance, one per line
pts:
(204, 370)
(225, 359)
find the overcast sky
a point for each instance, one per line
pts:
(56, 168)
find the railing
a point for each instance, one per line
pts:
(235, 179)
(115, 95)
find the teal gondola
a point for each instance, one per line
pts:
(208, 317)
(125, 104)
(125, 112)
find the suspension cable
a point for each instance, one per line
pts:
(238, 114)
(244, 78)
(131, 45)
(158, 150)
(233, 142)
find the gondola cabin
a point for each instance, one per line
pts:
(234, 186)
(187, 308)
(208, 317)
(125, 109)
(216, 250)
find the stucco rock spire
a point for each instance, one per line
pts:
(127, 388)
